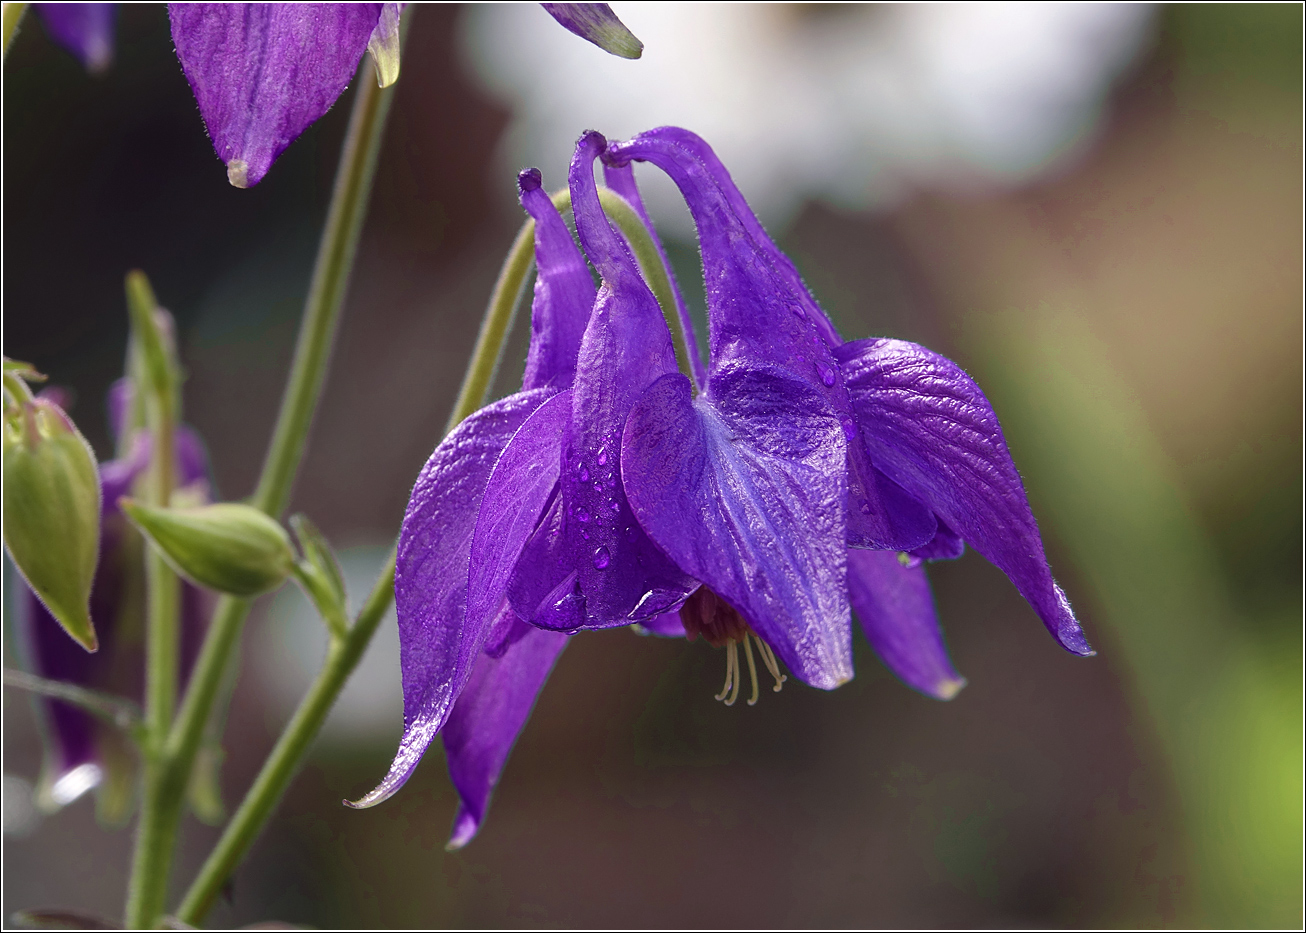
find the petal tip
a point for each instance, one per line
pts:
(948, 688)
(465, 827)
(529, 179)
(238, 173)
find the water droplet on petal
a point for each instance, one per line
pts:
(598, 487)
(849, 429)
(603, 457)
(827, 374)
(602, 558)
(582, 514)
(584, 473)
(614, 505)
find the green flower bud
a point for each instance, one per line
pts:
(52, 509)
(227, 547)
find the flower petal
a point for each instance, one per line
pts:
(621, 179)
(591, 565)
(263, 72)
(932, 430)
(595, 22)
(436, 651)
(896, 609)
(85, 29)
(488, 717)
(384, 44)
(751, 504)
(667, 625)
(945, 545)
(564, 290)
(761, 315)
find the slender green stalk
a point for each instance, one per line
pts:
(119, 712)
(161, 809)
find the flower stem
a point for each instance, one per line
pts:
(117, 711)
(345, 653)
(161, 810)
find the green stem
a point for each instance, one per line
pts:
(161, 810)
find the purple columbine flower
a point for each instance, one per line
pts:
(83, 753)
(749, 503)
(85, 29)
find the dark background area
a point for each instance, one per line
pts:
(1135, 319)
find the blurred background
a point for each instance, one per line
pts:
(1095, 209)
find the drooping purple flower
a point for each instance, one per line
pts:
(85, 29)
(750, 503)
(597, 23)
(81, 752)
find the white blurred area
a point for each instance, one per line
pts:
(856, 104)
(289, 647)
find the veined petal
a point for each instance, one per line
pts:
(932, 430)
(761, 315)
(590, 565)
(564, 291)
(436, 649)
(263, 72)
(488, 717)
(752, 505)
(595, 22)
(85, 29)
(667, 625)
(896, 609)
(945, 545)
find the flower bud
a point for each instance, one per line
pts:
(52, 511)
(228, 547)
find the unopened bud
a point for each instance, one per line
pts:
(52, 511)
(228, 547)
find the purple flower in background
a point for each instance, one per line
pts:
(597, 23)
(85, 29)
(82, 752)
(749, 503)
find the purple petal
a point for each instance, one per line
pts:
(595, 22)
(667, 625)
(751, 504)
(119, 403)
(590, 564)
(621, 179)
(436, 653)
(945, 545)
(564, 291)
(896, 609)
(263, 72)
(488, 717)
(85, 29)
(760, 315)
(932, 430)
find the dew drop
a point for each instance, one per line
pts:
(849, 429)
(602, 558)
(598, 486)
(583, 514)
(827, 374)
(603, 457)
(584, 473)
(614, 505)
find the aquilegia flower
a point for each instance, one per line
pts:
(262, 73)
(81, 751)
(748, 503)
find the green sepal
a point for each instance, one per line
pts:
(228, 547)
(319, 574)
(204, 790)
(384, 45)
(52, 511)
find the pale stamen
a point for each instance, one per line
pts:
(752, 669)
(731, 663)
(772, 665)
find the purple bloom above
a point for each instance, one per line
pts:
(85, 29)
(82, 752)
(263, 72)
(597, 23)
(754, 503)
